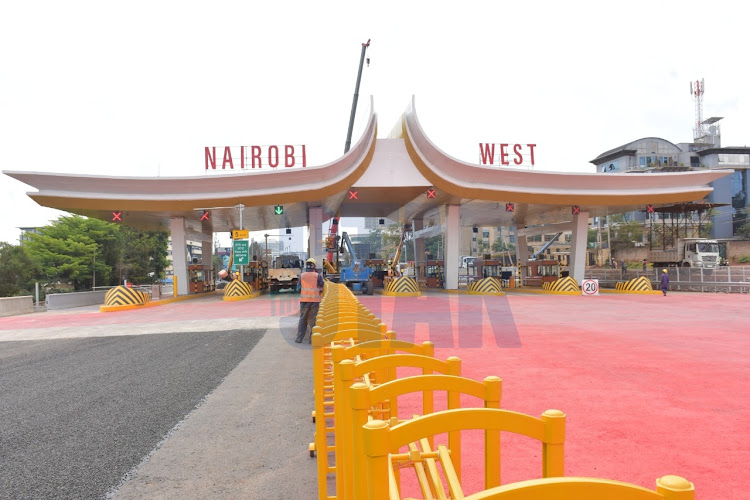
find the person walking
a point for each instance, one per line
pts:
(310, 285)
(664, 285)
(645, 265)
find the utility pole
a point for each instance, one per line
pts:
(356, 97)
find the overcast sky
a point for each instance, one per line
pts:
(140, 88)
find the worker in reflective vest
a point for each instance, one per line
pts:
(310, 286)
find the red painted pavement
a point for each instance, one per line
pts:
(651, 385)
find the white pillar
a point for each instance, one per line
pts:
(207, 253)
(179, 253)
(578, 243)
(452, 237)
(315, 230)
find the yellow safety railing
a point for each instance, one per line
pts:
(363, 399)
(588, 488)
(381, 443)
(355, 361)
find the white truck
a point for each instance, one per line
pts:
(689, 252)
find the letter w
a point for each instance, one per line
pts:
(487, 153)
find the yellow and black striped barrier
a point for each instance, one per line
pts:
(238, 290)
(563, 286)
(640, 284)
(121, 298)
(402, 287)
(486, 286)
(124, 296)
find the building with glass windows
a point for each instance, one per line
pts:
(656, 155)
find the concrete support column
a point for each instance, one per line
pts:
(179, 253)
(315, 229)
(578, 243)
(452, 237)
(207, 252)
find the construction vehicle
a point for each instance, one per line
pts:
(392, 268)
(688, 252)
(285, 272)
(355, 274)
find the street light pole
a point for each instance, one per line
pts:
(242, 268)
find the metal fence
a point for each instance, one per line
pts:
(724, 279)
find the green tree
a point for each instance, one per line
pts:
(17, 271)
(744, 230)
(144, 255)
(628, 232)
(79, 251)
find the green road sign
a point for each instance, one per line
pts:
(241, 253)
(279, 209)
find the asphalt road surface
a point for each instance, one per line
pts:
(77, 414)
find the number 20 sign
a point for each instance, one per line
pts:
(590, 287)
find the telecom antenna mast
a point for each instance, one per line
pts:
(697, 89)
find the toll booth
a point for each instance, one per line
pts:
(434, 273)
(537, 272)
(201, 278)
(378, 271)
(488, 267)
(256, 274)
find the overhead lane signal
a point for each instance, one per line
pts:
(649, 209)
(278, 209)
(205, 215)
(576, 210)
(117, 216)
(353, 195)
(431, 193)
(510, 207)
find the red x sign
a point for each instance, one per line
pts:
(430, 193)
(353, 195)
(116, 216)
(206, 215)
(510, 207)
(576, 210)
(649, 209)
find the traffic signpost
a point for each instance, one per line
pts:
(240, 234)
(590, 287)
(241, 252)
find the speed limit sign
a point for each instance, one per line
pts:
(590, 287)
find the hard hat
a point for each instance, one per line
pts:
(311, 261)
(664, 271)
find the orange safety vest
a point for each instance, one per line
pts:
(309, 291)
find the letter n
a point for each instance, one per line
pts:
(211, 157)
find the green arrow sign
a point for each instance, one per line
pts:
(241, 253)
(279, 209)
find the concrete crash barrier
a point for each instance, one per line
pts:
(486, 286)
(402, 287)
(13, 306)
(75, 299)
(563, 286)
(238, 290)
(640, 284)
